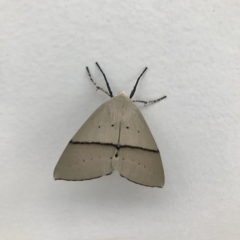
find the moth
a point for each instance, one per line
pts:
(115, 137)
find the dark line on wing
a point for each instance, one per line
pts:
(115, 145)
(99, 143)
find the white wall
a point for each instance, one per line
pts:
(192, 49)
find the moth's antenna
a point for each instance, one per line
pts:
(134, 89)
(89, 74)
(109, 89)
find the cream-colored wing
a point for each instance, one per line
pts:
(141, 166)
(134, 129)
(100, 127)
(89, 153)
(84, 162)
(139, 157)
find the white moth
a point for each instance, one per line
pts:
(115, 137)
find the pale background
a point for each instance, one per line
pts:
(192, 49)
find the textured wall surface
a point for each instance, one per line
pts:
(192, 49)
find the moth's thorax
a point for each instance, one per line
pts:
(121, 107)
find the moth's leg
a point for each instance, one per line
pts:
(152, 101)
(89, 74)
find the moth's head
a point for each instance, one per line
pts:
(122, 93)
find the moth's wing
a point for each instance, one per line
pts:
(140, 160)
(89, 153)
(141, 166)
(134, 129)
(100, 127)
(84, 162)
